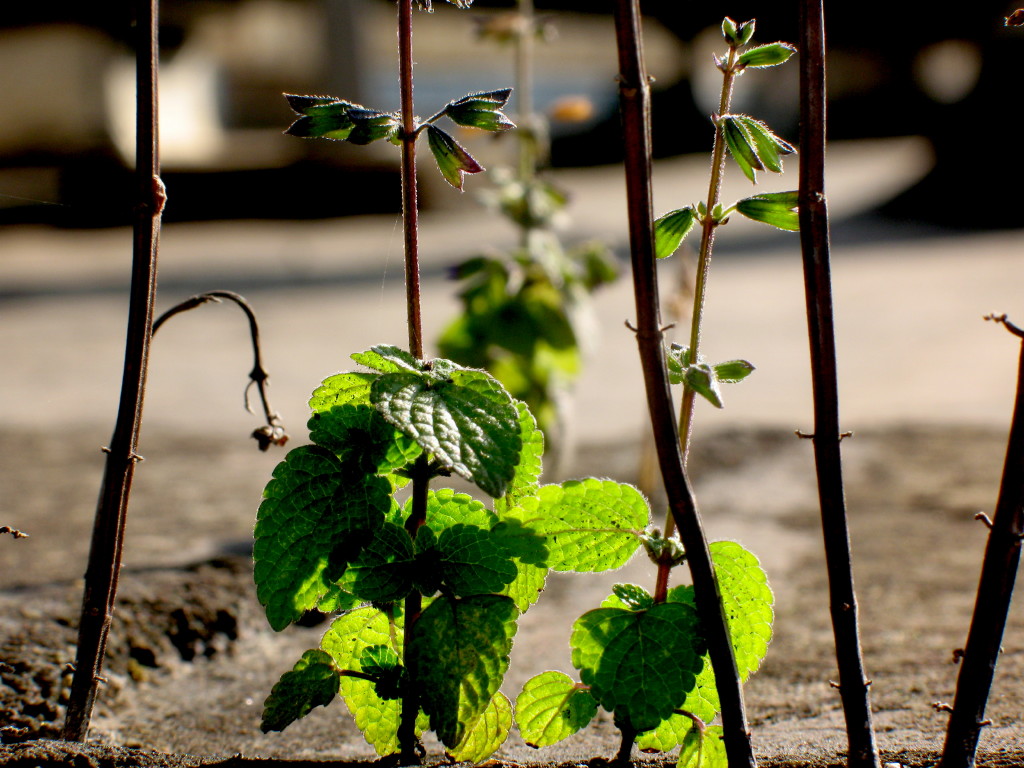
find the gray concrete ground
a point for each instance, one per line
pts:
(909, 303)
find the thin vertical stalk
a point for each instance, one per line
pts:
(104, 565)
(814, 239)
(634, 104)
(524, 55)
(995, 591)
(408, 743)
(707, 244)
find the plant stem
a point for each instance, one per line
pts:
(104, 565)
(408, 743)
(995, 591)
(524, 93)
(707, 242)
(814, 239)
(410, 204)
(634, 101)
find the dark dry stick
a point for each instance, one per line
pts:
(411, 750)
(634, 104)
(814, 239)
(995, 591)
(272, 433)
(108, 531)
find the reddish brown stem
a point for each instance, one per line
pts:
(634, 105)
(104, 565)
(995, 592)
(814, 239)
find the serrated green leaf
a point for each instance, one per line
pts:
(468, 559)
(526, 480)
(485, 731)
(769, 55)
(529, 552)
(312, 682)
(361, 438)
(453, 160)
(769, 147)
(704, 749)
(383, 570)
(589, 525)
(701, 379)
(639, 664)
(388, 359)
(551, 707)
(342, 389)
(316, 513)
(702, 701)
(346, 640)
(446, 508)
(739, 141)
(779, 209)
(468, 422)
(671, 229)
(748, 606)
(383, 663)
(458, 658)
(733, 371)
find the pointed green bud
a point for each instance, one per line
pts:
(702, 380)
(778, 209)
(729, 31)
(770, 55)
(452, 160)
(769, 147)
(745, 31)
(733, 371)
(740, 143)
(481, 110)
(671, 229)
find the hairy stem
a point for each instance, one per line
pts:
(707, 242)
(634, 104)
(104, 565)
(814, 239)
(408, 743)
(995, 592)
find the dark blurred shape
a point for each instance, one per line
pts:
(65, 152)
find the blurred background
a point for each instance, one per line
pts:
(67, 90)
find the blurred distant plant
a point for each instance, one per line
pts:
(663, 670)
(525, 313)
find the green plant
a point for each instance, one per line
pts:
(524, 312)
(645, 657)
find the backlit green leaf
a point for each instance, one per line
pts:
(529, 552)
(589, 525)
(638, 664)
(769, 147)
(312, 682)
(346, 640)
(467, 421)
(453, 160)
(469, 560)
(733, 371)
(342, 389)
(704, 749)
(633, 597)
(740, 143)
(779, 209)
(485, 731)
(552, 707)
(383, 571)
(370, 125)
(671, 229)
(458, 658)
(769, 55)
(388, 359)
(446, 508)
(361, 438)
(316, 513)
(527, 473)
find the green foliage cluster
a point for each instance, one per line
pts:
(332, 535)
